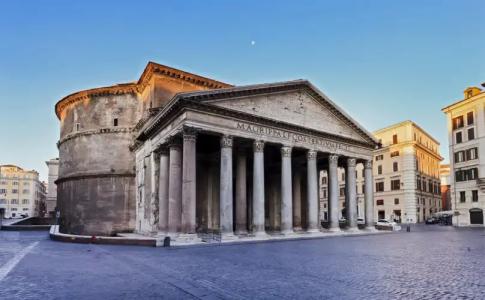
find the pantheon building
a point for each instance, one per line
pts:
(186, 156)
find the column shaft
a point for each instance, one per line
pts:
(369, 195)
(297, 199)
(258, 188)
(163, 191)
(241, 197)
(175, 189)
(226, 189)
(312, 192)
(351, 194)
(333, 193)
(189, 183)
(286, 192)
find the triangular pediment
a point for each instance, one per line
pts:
(303, 107)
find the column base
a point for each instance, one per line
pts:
(297, 229)
(260, 235)
(287, 233)
(335, 229)
(370, 229)
(228, 236)
(352, 229)
(312, 231)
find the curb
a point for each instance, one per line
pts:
(25, 227)
(55, 235)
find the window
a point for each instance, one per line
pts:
(78, 126)
(3, 191)
(396, 201)
(471, 154)
(324, 180)
(15, 183)
(13, 209)
(15, 191)
(14, 201)
(475, 196)
(395, 184)
(25, 209)
(458, 122)
(324, 191)
(418, 184)
(379, 170)
(380, 202)
(462, 196)
(458, 137)
(343, 176)
(395, 166)
(466, 174)
(380, 186)
(469, 118)
(394, 153)
(3, 201)
(342, 191)
(379, 157)
(25, 191)
(3, 182)
(25, 201)
(471, 134)
(394, 139)
(115, 122)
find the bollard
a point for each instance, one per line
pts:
(408, 228)
(166, 241)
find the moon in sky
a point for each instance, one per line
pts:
(253, 43)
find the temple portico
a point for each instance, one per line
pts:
(215, 170)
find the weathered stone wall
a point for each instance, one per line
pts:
(97, 205)
(96, 172)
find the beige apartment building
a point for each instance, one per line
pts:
(51, 199)
(406, 176)
(21, 192)
(466, 136)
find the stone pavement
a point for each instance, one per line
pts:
(431, 262)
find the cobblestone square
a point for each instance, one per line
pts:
(431, 262)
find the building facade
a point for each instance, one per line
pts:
(21, 192)
(466, 136)
(51, 198)
(445, 187)
(194, 155)
(406, 172)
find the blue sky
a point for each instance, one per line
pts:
(382, 61)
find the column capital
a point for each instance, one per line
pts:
(311, 155)
(174, 141)
(368, 164)
(258, 146)
(286, 151)
(351, 162)
(333, 158)
(226, 141)
(161, 149)
(189, 133)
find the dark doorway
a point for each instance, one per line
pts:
(381, 214)
(476, 216)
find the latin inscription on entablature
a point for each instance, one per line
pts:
(291, 137)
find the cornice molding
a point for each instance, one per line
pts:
(94, 131)
(139, 86)
(80, 176)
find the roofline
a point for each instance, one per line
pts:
(138, 86)
(462, 102)
(254, 90)
(404, 123)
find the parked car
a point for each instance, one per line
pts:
(387, 225)
(432, 220)
(360, 221)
